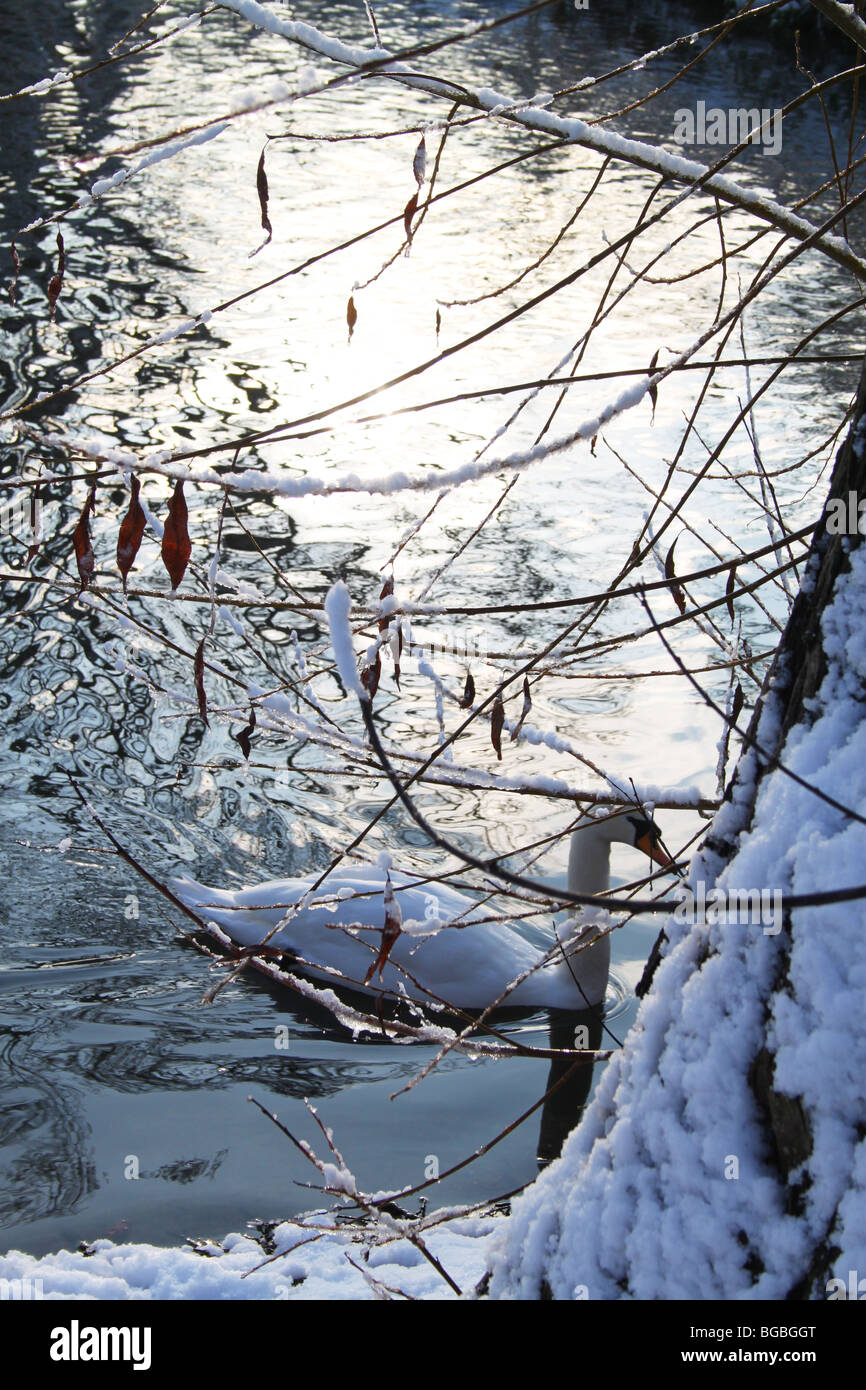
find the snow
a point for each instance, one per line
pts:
(234, 623)
(309, 80)
(337, 605)
(168, 334)
(279, 484)
(665, 1190)
(39, 88)
(168, 151)
(314, 1265)
(304, 34)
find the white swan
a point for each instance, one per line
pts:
(469, 964)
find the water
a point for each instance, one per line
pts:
(109, 1061)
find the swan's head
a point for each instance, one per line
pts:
(631, 828)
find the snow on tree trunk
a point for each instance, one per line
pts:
(723, 1154)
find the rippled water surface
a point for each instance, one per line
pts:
(106, 1051)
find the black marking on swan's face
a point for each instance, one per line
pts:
(644, 827)
(647, 837)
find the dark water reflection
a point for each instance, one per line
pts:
(105, 1050)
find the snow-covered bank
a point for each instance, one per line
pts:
(315, 1266)
(668, 1188)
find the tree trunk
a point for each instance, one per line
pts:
(795, 678)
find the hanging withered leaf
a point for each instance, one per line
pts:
(81, 540)
(468, 692)
(396, 641)
(729, 592)
(737, 704)
(198, 668)
(176, 546)
(55, 284)
(408, 213)
(670, 576)
(16, 266)
(351, 315)
(131, 531)
(370, 676)
(387, 591)
(438, 323)
(497, 719)
(527, 706)
(419, 163)
(653, 389)
(592, 444)
(262, 190)
(243, 738)
(390, 931)
(35, 524)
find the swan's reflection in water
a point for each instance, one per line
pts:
(108, 1042)
(569, 1079)
(568, 1085)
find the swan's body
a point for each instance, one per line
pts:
(469, 964)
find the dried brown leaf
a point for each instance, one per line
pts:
(468, 692)
(497, 719)
(55, 284)
(16, 266)
(390, 931)
(351, 315)
(176, 548)
(81, 540)
(737, 705)
(653, 389)
(670, 576)
(729, 592)
(243, 738)
(262, 190)
(131, 531)
(419, 163)
(408, 213)
(198, 668)
(33, 548)
(370, 676)
(527, 706)
(387, 591)
(396, 641)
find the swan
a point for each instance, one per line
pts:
(469, 964)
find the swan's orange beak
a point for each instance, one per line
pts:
(655, 851)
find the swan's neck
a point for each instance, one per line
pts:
(588, 862)
(588, 872)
